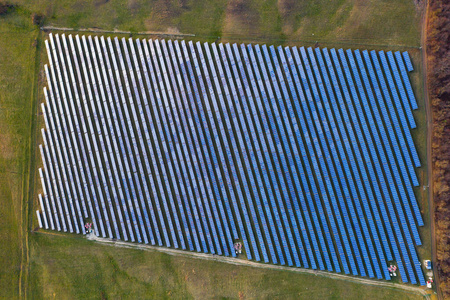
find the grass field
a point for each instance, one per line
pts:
(352, 21)
(108, 272)
(71, 267)
(16, 84)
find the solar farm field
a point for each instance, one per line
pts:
(41, 263)
(304, 155)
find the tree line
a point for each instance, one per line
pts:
(438, 55)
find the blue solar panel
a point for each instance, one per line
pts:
(401, 90)
(228, 151)
(98, 171)
(323, 157)
(208, 211)
(209, 156)
(351, 157)
(406, 81)
(305, 167)
(58, 180)
(303, 155)
(293, 128)
(43, 207)
(75, 128)
(385, 164)
(46, 210)
(401, 115)
(215, 212)
(186, 151)
(251, 180)
(134, 191)
(201, 166)
(72, 163)
(327, 153)
(408, 63)
(202, 120)
(374, 157)
(244, 132)
(398, 152)
(296, 95)
(366, 156)
(108, 130)
(130, 186)
(103, 138)
(265, 131)
(226, 218)
(286, 154)
(57, 141)
(260, 146)
(275, 144)
(60, 164)
(373, 153)
(346, 172)
(213, 246)
(89, 183)
(117, 139)
(52, 210)
(140, 139)
(58, 206)
(312, 146)
(173, 156)
(229, 128)
(396, 175)
(169, 153)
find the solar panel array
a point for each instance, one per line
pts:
(304, 155)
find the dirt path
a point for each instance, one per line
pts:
(97, 30)
(235, 261)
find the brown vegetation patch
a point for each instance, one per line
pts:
(98, 3)
(6, 7)
(241, 19)
(163, 14)
(287, 9)
(438, 34)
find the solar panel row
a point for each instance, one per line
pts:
(195, 146)
(405, 78)
(41, 204)
(345, 165)
(407, 60)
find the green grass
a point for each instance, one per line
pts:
(16, 85)
(353, 21)
(70, 267)
(97, 271)
(420, 139)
